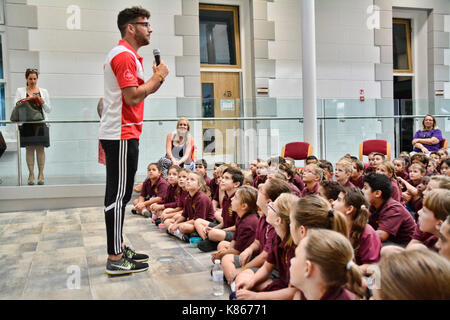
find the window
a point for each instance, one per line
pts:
(401, 38)
(208, 100)
(219, 36)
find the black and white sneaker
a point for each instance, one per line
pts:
(125, 266)
(131, 254)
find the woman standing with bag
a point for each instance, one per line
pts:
(34, 136)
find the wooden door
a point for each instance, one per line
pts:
(220, 99)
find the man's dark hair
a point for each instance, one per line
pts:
(236, 175)
(332, 189)
(130, 15)
(381, 182)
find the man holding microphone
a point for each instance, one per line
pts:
(120, 128)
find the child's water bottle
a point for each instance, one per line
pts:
(217, 277)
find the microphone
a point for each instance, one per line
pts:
(156, 53)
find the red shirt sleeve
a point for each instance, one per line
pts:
(124, 67)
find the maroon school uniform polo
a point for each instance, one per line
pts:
(359, 183)
(368, 170)
(427, 239)
(264, 234)
(349, 184)
(369, 247)
(181, 201)
(306, 192)
(170, 200)
(158, 189)
(393, 218)
(335, 294)
(295, 190)
(213, 187)
(207, 179)
(245, 231)
(299, 182)
(259, 180)
(198, 206)
(228, 215)
(396, 191)
(280, 256)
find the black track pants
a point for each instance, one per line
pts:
(121, 165)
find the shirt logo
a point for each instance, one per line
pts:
(128, 75)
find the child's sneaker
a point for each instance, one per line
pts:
(131, 254)
(124, 266)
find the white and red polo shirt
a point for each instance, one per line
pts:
(123, 68)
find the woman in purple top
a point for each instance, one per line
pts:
(429, 138)
(366, 243)
(323, 267)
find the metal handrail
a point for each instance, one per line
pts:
(243, 119)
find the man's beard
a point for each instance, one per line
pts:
(142, 40)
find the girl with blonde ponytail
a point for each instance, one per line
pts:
(323, 267)
(366, 243)
(315, 212)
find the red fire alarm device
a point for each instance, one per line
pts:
(361, 95)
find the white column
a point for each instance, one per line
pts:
(309, 74)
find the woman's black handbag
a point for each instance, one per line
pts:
(29, 109)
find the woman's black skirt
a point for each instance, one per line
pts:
(34, 134)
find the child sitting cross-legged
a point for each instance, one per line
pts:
(261, 286)
(198, 206)
(170, 199)
(169, 215)
(154, 189)
(244, 204)
(214, 232)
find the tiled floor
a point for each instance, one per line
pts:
(62, 255)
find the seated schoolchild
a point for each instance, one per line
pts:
(154, 189)
(436, 208)
(255, 255)
(214, 183)
(387, 168)
(261, 173)
(330, 190)
(358, 171)
(400, 168)
(260, 286)
(244, 204)
(201, 166)
(443, 244)
(198, 206)
(413, 275)
(218, 195)
(365, 242)
(323, 267)
(445, 167)
(443, 153)
(248, 178)
(327, 168)
(312, 176)
(289, 172)
(170, 199)
(214, 232)
(420, 158)
(297, 179)
(432, 168)
(391, 221)
(169, 215)
(343, 173)
(411, 196)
